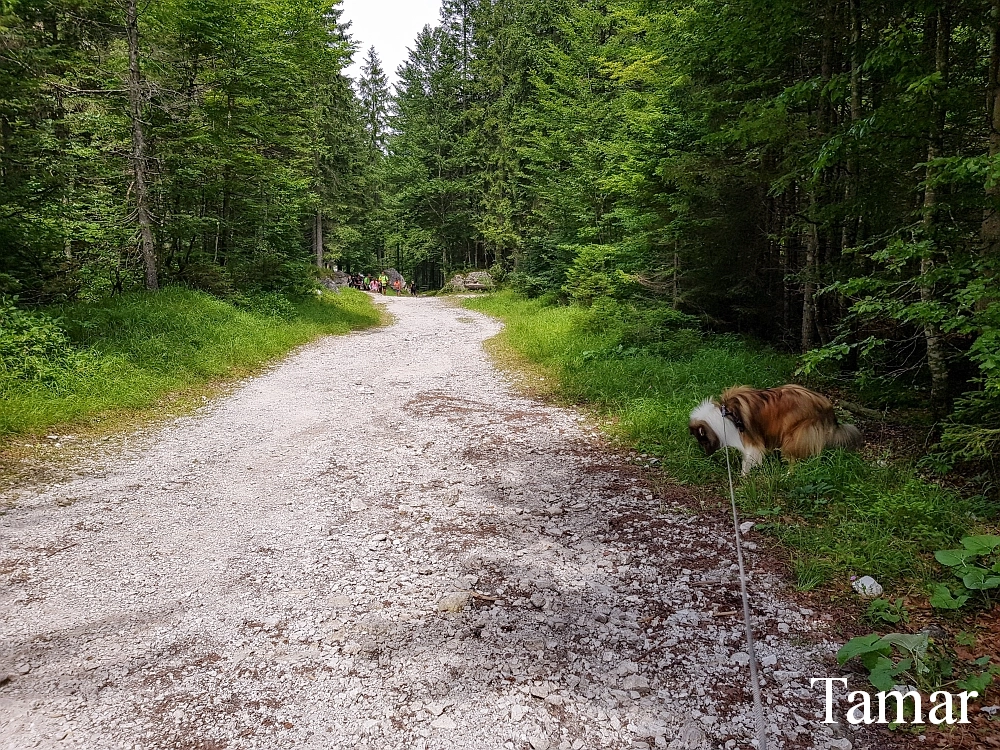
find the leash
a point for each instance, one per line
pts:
(758, 703)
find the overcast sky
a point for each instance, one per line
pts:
(389, 25)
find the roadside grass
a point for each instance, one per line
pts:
(129, 352)
(839, 514)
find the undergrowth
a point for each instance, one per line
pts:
(840, 514)
(127, 352)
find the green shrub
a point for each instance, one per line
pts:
(207, 277)
(33, 347)
(271, 272)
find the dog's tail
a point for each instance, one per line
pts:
(845, 436)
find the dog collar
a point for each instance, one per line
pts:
(734, 418)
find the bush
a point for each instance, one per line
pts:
(660, 331)
(270, 272)
(207, 277)
(529, 285)
(33, 347)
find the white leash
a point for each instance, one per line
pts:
(758, 703)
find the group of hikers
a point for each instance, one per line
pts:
(378, 284)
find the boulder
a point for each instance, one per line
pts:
(335, 281)
(478, 281)
(475, 281)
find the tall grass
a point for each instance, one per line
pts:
(840, 514)
(135, 349)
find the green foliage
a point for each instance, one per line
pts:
(884, 610)
(819, 180)
(898, 658)
(919, 660)
(255, 130)
(861, 517)
(33, 348)
(126, 353)
(976, 564)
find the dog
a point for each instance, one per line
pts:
(789, 418)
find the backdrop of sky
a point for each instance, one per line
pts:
(388, 25)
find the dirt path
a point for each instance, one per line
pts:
(277, 571)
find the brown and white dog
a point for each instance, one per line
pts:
(788, 418)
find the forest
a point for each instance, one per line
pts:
(822, 177)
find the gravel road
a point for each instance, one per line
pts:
(380, 544)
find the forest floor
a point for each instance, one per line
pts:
(380, 543)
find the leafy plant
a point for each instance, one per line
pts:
(976, 565)
(916, 659)
(33, 347)
(897, 658)
(887, 611)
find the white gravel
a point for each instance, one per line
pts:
(379, 544)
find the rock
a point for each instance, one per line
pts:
(637, 683)
(538, 742)
(518, 712)
(23, 669)
(842, 744)
(478, 280)
(474, 282)
(746, 527)
(769, 661)
(335, 281)
(690, 738)
(444, 722)
(454, 602)
(539, 691)
(867, 586)
(740, 658)
(537, 600)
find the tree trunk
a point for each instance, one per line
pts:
(852, 220)
(936, 359)
(809, 284)
(824, 122)
(136, 100)
(990, 231)
(318, 237)
(677, 280)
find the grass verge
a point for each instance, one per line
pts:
(126, 354)
(839, 514)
